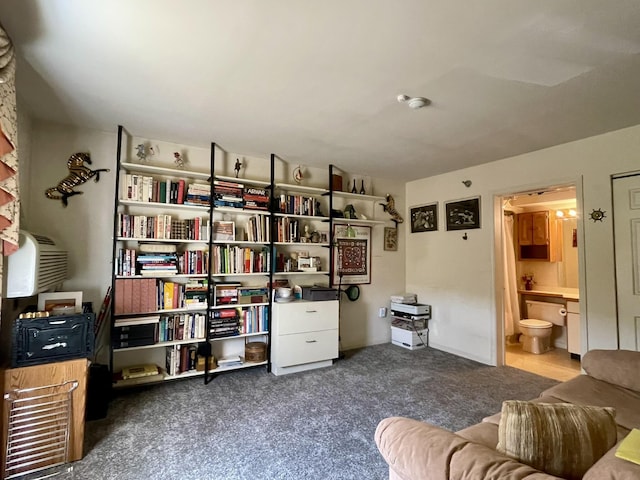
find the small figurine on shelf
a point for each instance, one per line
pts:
(362, 191)
(527, 278)
(237, 167)
(141, 152)
(178, 160)
(354, 189)
(390, 208)
(307, 234)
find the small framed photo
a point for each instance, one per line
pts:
(463, 214)
(391, 239)
(224, 231)
(60, 303)
(424, 218)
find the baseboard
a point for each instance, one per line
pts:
(462, 354)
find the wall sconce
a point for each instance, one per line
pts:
(566, 213)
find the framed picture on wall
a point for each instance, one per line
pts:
(424, 218)
(463, 214)
(352, 258)
(391, 239)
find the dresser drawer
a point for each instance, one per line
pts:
(300, 348)
(301, 316)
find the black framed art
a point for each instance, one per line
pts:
(424, 218)
(463, 214)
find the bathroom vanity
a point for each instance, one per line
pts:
(569, 297)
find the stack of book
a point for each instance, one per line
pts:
(228, 194)
(135, 331)
(224, 323)
(248, 295)
(198, 194)
(256, 198)
(135, 295)
(195, 294)
(157, 264)
(228, 362)
(225, 293)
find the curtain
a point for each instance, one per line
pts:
(9, 194)
(511, 305)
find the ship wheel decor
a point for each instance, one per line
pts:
(597, 215)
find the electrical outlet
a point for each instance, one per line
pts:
(382, 312)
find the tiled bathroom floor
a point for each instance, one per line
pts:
(556, 364)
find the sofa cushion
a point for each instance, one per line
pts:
(585, 390)
(609, 467)
(558, 438)
(619, 367)
(484, 433)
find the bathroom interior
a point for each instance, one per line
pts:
(542, 316)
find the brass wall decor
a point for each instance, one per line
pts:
(597, 215)
(390, 208)
(79, 173)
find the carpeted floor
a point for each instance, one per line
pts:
(250, 424)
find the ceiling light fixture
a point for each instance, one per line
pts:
(414, 102)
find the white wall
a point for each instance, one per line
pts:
(85, 226)
(457, 277)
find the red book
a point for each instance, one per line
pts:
(225, 313)
(180, 191)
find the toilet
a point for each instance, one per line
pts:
(536, 330)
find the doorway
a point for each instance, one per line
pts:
(539, 242)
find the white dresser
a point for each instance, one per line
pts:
(304, 335)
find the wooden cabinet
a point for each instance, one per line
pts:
(304, 336)
(47, 375)
(539, 237)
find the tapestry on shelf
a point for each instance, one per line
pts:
(9, 193)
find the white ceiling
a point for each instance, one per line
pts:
(316, 82)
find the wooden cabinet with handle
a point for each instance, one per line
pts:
(539, 237)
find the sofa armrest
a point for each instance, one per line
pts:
(418, 450)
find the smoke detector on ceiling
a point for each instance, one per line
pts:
(414, 102)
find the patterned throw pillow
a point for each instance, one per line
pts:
(560, 439)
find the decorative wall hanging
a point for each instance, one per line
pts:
(424, 218)
(9, 190)
(390, 208)
(463, 214)
(391, 239)
(298, 175)
(179, 160)
(352, 259)
(597, 215)
(78, 174)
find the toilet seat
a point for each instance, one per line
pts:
(534, 323)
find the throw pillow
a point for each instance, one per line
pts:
(560, 439)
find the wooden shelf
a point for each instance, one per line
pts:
(173, 172)
(172, 206)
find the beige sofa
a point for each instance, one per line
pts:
(417, 450)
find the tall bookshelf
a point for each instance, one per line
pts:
(169, 263)
(240, 247)
(301, 236)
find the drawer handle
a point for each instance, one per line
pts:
(311, 311)
(311, 341)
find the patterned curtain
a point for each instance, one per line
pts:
(9, 194)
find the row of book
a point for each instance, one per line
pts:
(162, 227)
(181, 358)
(299, 205)
(237, 195)
(144, 188)
(236, 294)
(141, 295)
(287, 229)
(237, 259)
(182, 326)
(258, 229)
